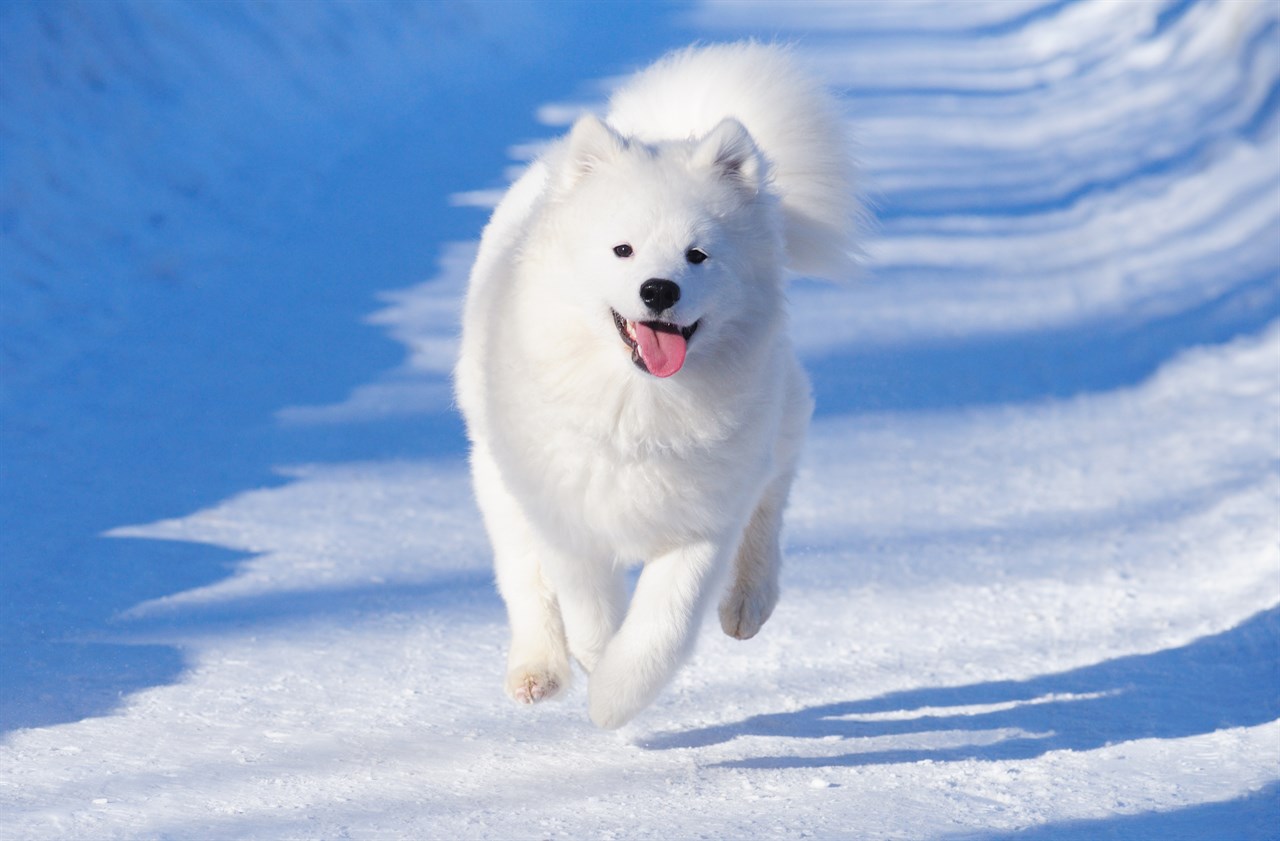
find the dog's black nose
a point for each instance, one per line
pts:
(658, 294)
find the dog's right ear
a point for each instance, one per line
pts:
(591, 144)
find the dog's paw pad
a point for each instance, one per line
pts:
(529, 686)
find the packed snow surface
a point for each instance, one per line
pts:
(1033, 558)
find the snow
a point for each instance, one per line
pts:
(1033, 577)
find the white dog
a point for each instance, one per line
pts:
(629, 387)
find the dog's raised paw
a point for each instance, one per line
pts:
(612, 700)
(742, 615)
(531, 685)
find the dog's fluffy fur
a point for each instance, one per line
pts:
(613, 424)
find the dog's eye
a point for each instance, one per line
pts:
(695, 255)
(623, 250)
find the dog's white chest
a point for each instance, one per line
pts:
(637, 490)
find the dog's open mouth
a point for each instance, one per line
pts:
(657, 347)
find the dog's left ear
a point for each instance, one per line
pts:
(729, 149)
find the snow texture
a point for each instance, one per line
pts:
(1033, 575)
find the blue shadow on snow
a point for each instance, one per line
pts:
(174, 411)
(1102, 355)
(1254, 817)
(1225, 680)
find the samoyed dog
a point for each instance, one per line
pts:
(629, 387)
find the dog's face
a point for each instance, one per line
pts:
(663, 250)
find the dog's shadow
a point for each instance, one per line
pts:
(1230, 679)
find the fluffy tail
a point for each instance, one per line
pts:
(793, 120)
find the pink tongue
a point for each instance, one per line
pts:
(662, 352)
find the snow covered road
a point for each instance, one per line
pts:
(1033, 580)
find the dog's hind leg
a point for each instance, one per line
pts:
(592, 598)
(538, 661)
(753, 591)
(753, 588)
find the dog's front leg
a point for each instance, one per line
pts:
(657, 634)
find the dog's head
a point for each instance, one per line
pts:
(666, 248)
